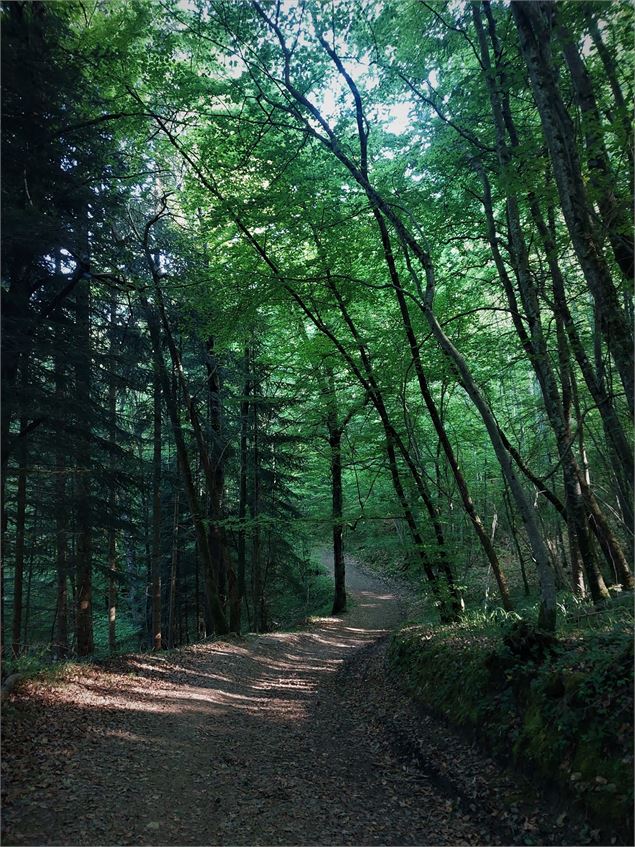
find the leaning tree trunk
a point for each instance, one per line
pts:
(547, 616)
(578, 213)
(614, 212)
(532, 339)
(623, 117)
(214, 606)
(466, 498)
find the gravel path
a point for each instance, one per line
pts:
(287, 738)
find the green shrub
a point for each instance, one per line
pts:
(563, 707)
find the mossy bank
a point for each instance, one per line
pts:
(559, 708)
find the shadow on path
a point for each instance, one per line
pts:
(247, 741)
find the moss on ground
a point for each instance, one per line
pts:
(562, 709)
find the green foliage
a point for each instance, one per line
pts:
(267, 239)
(561, 708)
(304, 591)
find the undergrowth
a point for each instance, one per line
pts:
(560, 706)
(304, 593)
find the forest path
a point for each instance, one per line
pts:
(287, 738)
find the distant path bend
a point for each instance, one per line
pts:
(277, 739)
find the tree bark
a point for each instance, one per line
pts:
(614, 213)
(468, 504)
(155, 567)
(578, 213)
(173, 572)
(217, 536)
(84, 545)
(243, 474)
(112, 495)
(217, 616)
(256, 564)
(61, 505)
(335, 445)
(20, 527)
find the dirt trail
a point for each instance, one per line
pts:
(287, 738)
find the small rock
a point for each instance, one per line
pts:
(153, 825)
(601, 780)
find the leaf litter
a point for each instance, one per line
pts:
(286, 738)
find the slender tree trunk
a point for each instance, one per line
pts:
(243, 474)
(83, 509)
(216, 613)
(530, 19)
(212, 585)
(335, 444)
(573, 527)
(619, 448)
(468, 504)
(173, 571)
(547, 617)
(20, 525)
(614, 213)
(112, 496)
(623, 119)
(61, 502)
(155, 568)
(218, 540)
(256, 564)
(450, 610)
(27, 604)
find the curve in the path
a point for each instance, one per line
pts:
(248, 741)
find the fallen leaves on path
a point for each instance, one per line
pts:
(288, 738)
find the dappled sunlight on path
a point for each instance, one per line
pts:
(250, 740)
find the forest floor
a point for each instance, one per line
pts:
(285, 738)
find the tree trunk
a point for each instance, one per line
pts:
(60, 648)
(256, 564)
(577, 210)
(533, 341)
(243, 474)
(468, 504)
(214, 607)
(619, 448)
(547, 616)
(624, 121)
(335, 444)
(218, 541)
(20, 522)
(173, 572)
(451, 606)
(112, 496)
(155, 569)
(614, 213)
(84, 545)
